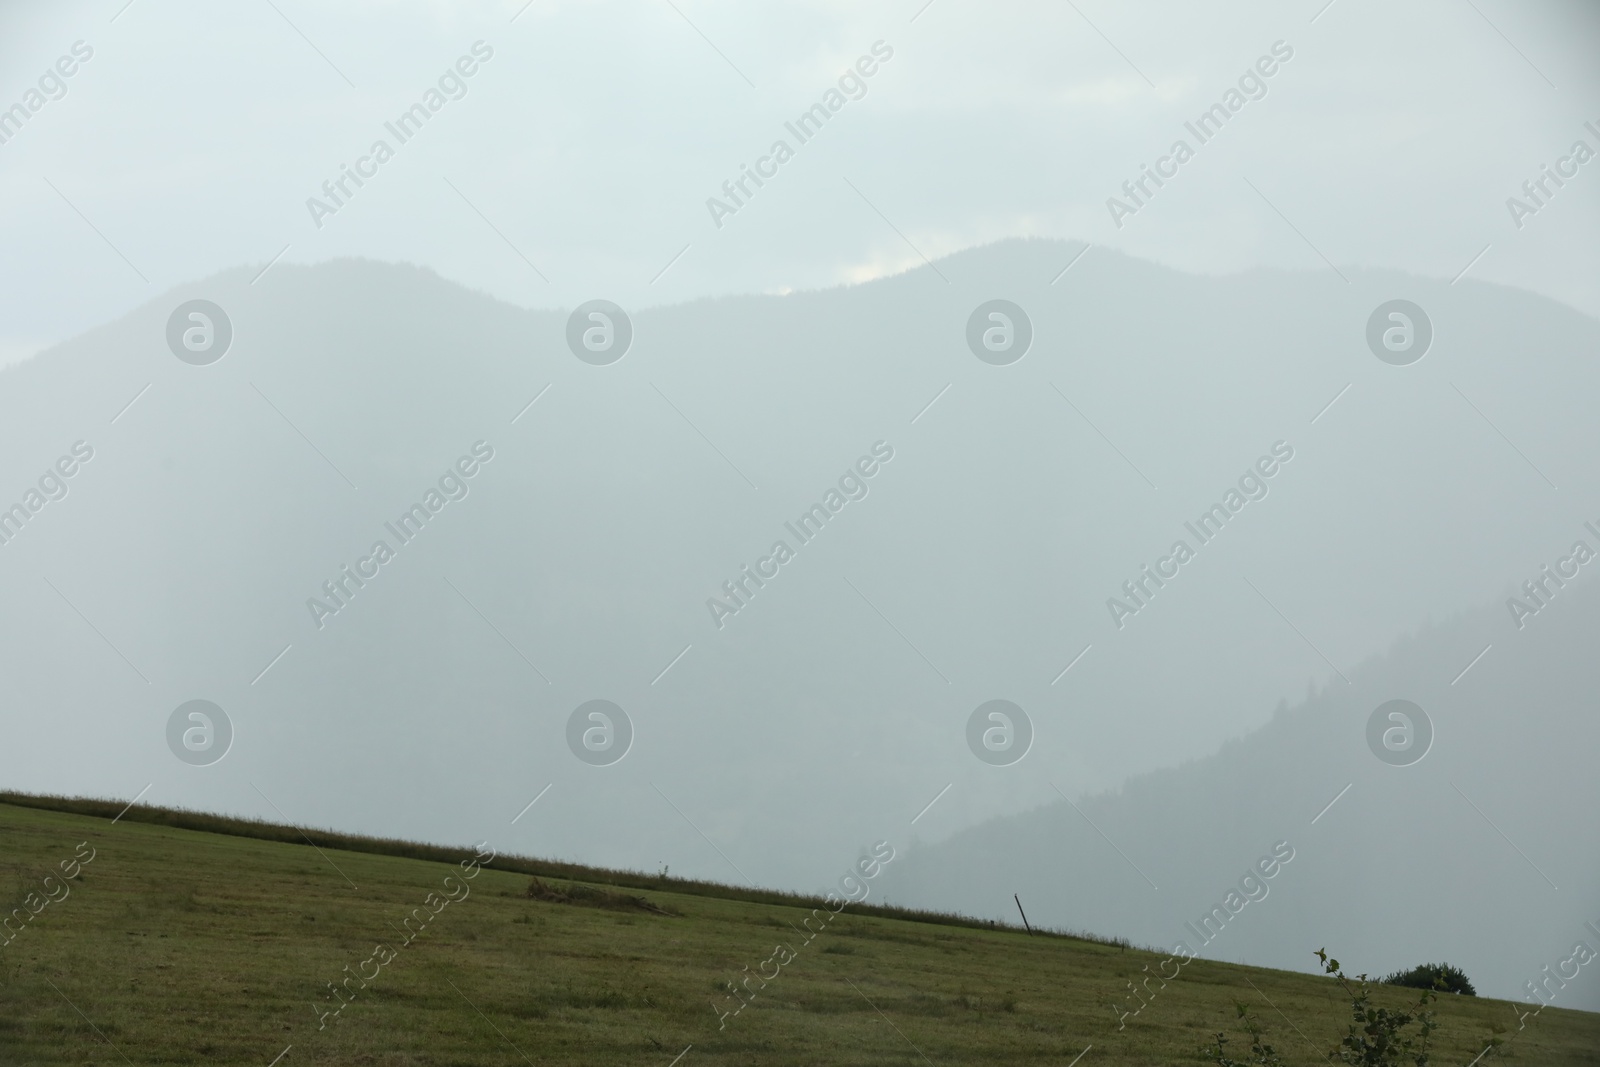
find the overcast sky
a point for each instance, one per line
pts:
(579, 161)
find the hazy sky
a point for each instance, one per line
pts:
(580, 158)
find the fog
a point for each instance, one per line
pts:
(799, 474)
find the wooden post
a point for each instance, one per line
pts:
(1022, 913)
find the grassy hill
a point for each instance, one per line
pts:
(197, 939)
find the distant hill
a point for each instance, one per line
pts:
(1456, 855)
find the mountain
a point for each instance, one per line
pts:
(1456, 856)
(185, 559)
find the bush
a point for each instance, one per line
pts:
(1440, 976)
(1261, 1053)
(1375, 1036)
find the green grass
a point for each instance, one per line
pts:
(188, 946)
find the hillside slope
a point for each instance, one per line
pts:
(1456, 856)
(173, 946)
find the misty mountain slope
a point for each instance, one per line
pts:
(1408, 865)
(831, 709)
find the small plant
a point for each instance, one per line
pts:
(1375, 1036)
(1440, 976)
(1261, 1053)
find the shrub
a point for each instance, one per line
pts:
(1261, 1053)
(1440, 976)
(1375, 1037)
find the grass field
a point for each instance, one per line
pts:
(181, 946)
